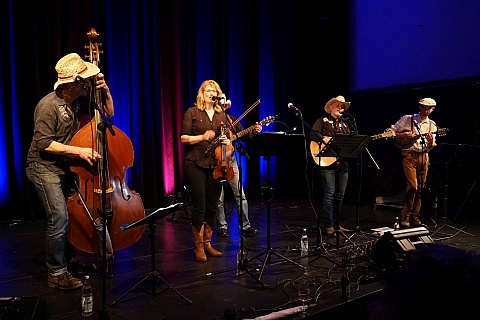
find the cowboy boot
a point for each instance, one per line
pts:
(207, 236)
(416, 222)
(198, 241)
(405, 221)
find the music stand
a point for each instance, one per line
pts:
(343, 146)
(269, 144)
(151, 219)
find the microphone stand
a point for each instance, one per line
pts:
(103, 313)
(320, 141)
(241, 267)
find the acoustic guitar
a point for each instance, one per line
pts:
(316, 148)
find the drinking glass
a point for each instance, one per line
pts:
(304, 294)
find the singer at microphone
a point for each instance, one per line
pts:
(333, 167)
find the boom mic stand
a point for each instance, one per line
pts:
(320, 141)
(445, 221)
(241, 266)
(102, 126)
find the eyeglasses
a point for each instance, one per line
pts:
(210, 90)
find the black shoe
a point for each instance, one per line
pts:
(249, 232)
(222, 233)
(79, 268)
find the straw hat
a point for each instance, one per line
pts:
(429, 102)
(72, 65)
(328, 105)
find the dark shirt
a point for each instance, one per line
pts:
(54, 122)
(328, 126)
(196, 122)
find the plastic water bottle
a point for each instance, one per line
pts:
(396, 225)
(87, 298)
(304, 243)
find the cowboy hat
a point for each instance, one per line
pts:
(328, 105)
(72, 65)
(429, 102)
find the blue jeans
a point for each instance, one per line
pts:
(49, 188)
(234, 184)
(329, 205)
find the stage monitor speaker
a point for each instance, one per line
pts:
(23, 308)
(391, 251)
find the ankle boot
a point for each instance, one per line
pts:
(207, 236)
(198, 241)
(416, 222)
(405, 221)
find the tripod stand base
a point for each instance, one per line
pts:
(266, 261)
(446, 223)
(155, 278)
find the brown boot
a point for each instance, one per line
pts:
(207, 236)
(416, 222)
(198, 241)
(405, 221)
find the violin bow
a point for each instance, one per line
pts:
(215, 141)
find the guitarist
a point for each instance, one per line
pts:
(420, 129)
(246, 229)
(327, 126)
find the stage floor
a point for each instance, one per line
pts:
(193, 290)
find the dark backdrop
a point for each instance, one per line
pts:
(157, 53)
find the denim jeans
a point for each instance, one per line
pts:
(49, 188)
(329, 205)
(234, 184)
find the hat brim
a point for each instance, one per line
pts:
(87, 73)
(328, 105)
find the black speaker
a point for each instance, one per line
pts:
(391, 250)
(23, 308)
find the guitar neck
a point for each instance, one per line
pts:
(242, 133)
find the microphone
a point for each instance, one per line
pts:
(343, 113)
(291, 106)
(77, 77)
(218, 98)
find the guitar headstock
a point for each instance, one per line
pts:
(386, 134)
(267, 120)
(441, 132)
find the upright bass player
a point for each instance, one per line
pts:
(57, 118)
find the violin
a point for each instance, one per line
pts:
(223, 171)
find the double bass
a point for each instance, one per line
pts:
(102, 191)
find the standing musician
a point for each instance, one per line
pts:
(56, 120)
(420, 129)
(328, 126)
(201, 124)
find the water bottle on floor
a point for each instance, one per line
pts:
(396, 225)
(304, 243)
(87, 298)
